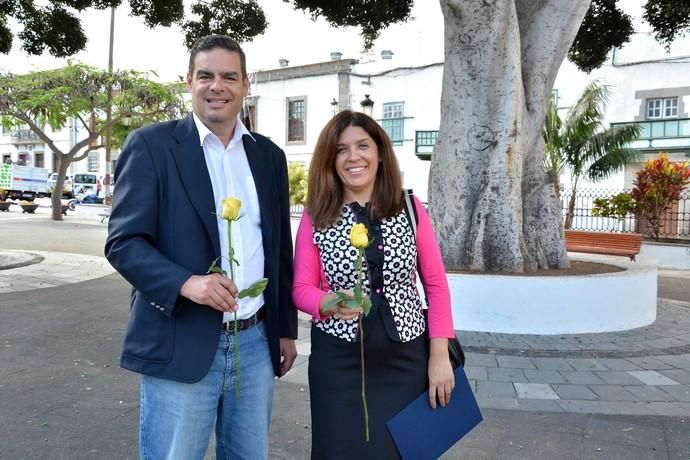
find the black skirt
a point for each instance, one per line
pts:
(396, 373)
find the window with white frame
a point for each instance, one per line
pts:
(393, 121)
(296, 119)
(658, 108)
(93, 163)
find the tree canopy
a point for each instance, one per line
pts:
(77, 92)
(605, 26)
(55, 26)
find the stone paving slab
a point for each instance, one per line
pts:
(535, 391)
(618, 364)
(489, 389)
(679, 375)
(552, 364)
(612, 393)
(515, 362)
(581, 377)
(539, 376)
(652, 378)
(648, 393)
(579, 392)
(681, 392)
(618, 378)
(506, 375)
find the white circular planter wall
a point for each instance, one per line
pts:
(554, 304)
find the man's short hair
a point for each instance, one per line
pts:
(211, 42)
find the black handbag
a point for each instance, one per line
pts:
(455, 353)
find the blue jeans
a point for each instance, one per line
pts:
(176, 418)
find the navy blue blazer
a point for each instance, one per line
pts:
(163, 230)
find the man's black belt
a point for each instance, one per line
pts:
(243, 324)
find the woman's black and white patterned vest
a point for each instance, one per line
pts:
(397, 285)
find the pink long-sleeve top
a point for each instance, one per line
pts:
(310, 283)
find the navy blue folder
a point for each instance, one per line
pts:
(421, 432)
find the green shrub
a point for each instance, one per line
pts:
(297, 180)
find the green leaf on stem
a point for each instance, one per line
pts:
(358, 293)
(351, 303)
(339, 297)
(256, 288)
(366, 305)
(217, 269)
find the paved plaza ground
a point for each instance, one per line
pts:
(62, 394)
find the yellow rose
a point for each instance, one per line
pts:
(231, 208)
(359, 236)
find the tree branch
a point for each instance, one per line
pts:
(86, 152)
(85, 124)
(38, 131)
(81, 144)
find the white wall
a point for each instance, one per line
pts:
(641, 64)
(63, 140)
(420, 90)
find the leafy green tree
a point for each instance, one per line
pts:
(55, 26)
(79, 93)
(297, 181)
(582, 145)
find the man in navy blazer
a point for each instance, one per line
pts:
(165, 230)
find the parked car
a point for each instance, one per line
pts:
(52, 178)
(87, 183)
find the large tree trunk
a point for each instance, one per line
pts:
(56, 196)
(492, 203)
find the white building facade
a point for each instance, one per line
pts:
(291, 104)
(649, 86)
(22, 146)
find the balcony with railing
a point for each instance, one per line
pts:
(424, 143)
(25, 136)
(669, 134)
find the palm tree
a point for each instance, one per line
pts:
(581, 144)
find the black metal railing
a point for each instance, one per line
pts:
(296, 210)
(675, 224)
(676, 219)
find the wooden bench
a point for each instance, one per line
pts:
(614, 244)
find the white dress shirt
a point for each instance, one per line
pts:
(230, 176)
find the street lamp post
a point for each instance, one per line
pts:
(108, 116)
(367, 105)
(334, 106)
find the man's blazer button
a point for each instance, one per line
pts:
(153, 303)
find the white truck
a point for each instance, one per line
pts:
(24, 182)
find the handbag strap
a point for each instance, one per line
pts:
(455, 352)
(411, 211)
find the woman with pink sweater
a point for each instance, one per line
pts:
(354, 178)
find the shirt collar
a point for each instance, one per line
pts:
(240, 130)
